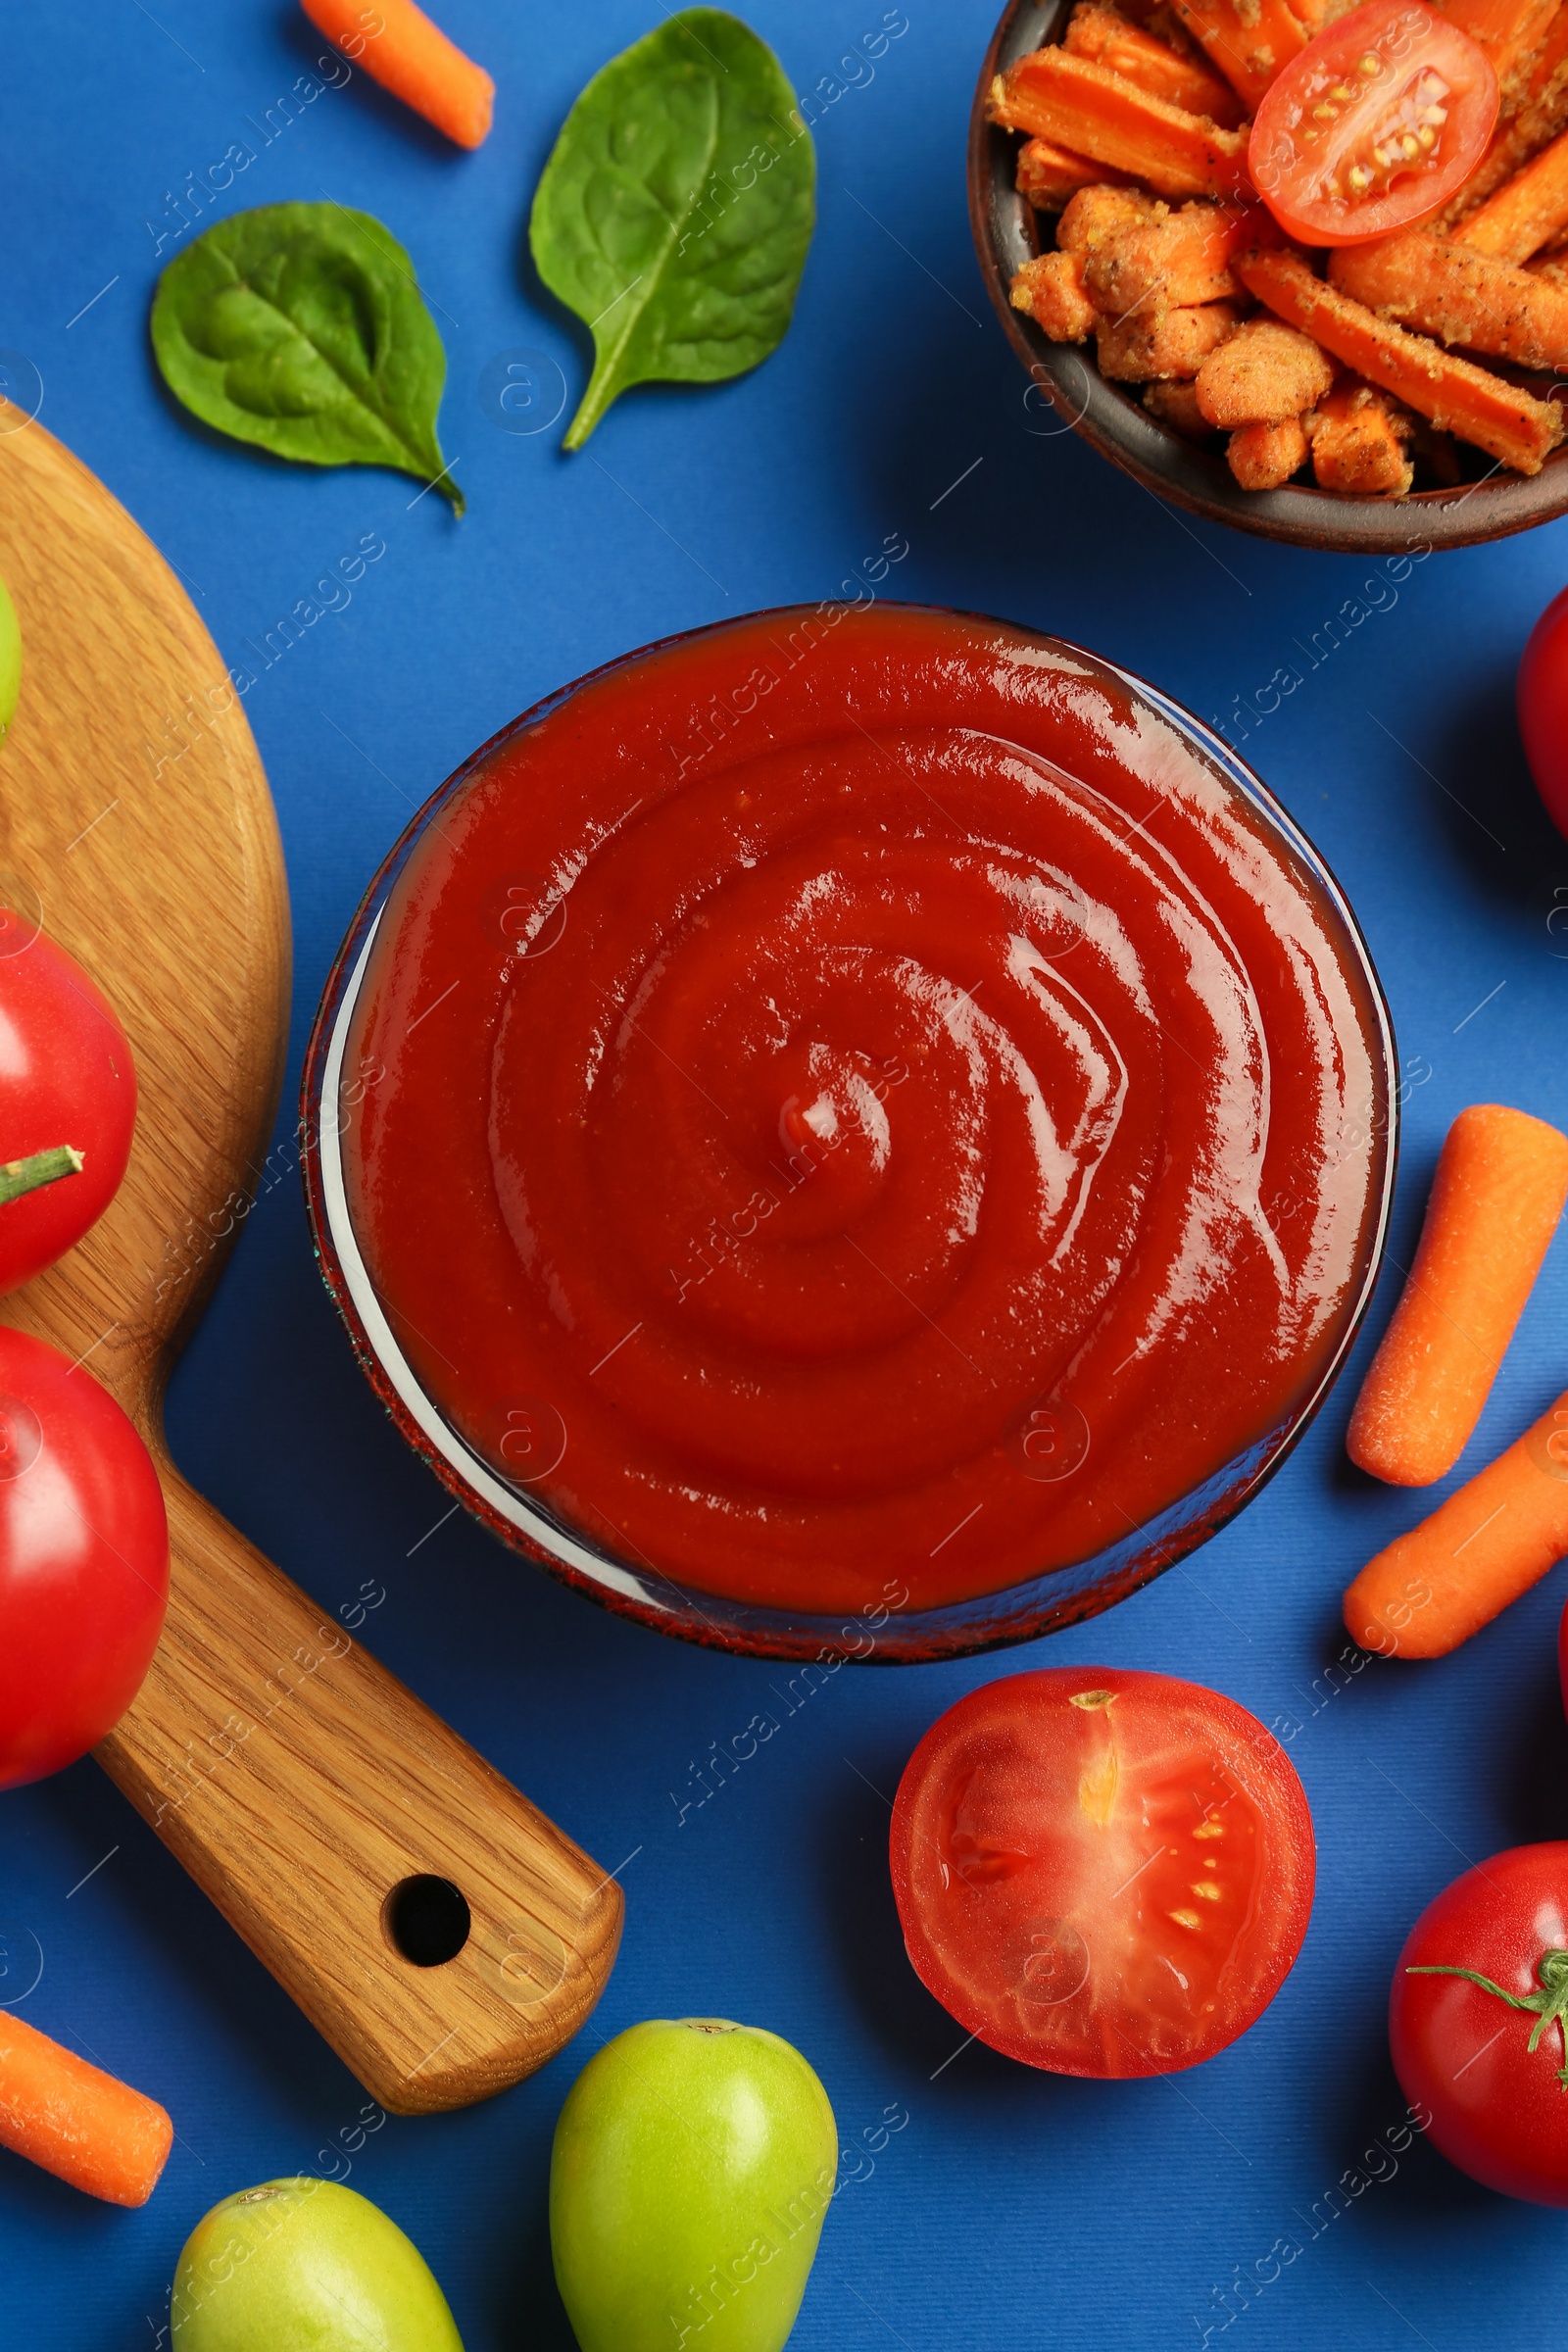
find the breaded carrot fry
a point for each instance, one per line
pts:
(1078, 104)
(1510, 32)
(1434, 1588)
(1154, 65)
(1360, 441)
(1542, 113)
(1050, 290)
(1168, 262)
(78, 2123)
(1501, 1181)
(1100, 211)
(1262, 374)
(1135, 351)
(1249, 43)
(1459, 295)
(1049, 175)
(1262, 456)
(1529, 210)
(1175, 404)
(1458, 397)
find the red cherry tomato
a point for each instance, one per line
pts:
(1373, 125)
(65, 1080)
(84, 1561)
(1499, 2110)
(1102, 1871)
(1543, 708)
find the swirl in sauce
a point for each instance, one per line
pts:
(923, 1132)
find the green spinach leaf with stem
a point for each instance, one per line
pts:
(676, 209)
(301, 327)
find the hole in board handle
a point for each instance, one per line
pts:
(427, 1919)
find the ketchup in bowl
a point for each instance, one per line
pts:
(851, 1101)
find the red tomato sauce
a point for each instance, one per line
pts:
(885, 1101)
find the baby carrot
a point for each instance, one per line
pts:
(1051, 291)
(1105, 35)
(1250, 41)
(1502, 1180)
(1510, 32)
(1451, 393)
(399, 47)
(1542, 112)
(1263, 457)
(1048, 176)
(1527, 211)
(1360, 440)
(76, 2123)
(1075, 103)
(1434, 1588)
(1457, 293)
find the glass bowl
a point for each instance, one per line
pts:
(1020, 1612)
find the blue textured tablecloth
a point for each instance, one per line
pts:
(1015, 2210)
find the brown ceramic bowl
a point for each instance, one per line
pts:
(1490, 506)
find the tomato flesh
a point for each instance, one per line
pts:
(1102, 1871)
(1374, 125)
(1497, 2109)
(84, 1561)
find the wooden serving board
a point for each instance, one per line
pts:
(296, 1780)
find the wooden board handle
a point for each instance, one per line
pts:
(300, 1783)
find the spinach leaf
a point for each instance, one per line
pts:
(676, 211)
(301, 327)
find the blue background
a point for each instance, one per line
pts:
(1013, 2209)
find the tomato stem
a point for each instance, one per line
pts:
(18, 1176)
(1549, 2006)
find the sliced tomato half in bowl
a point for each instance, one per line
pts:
(1374, 125)
(1102, 1871)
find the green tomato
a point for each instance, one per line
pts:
(693, 2164)
(10, 661)
(306, 2265)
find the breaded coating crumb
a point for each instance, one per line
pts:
(1263, 455)
(1050, 290)
(1135, 351)
(1264, 374)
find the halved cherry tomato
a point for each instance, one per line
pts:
(1543, 709)
(67, 1091)
(84, 1561)
(1496, 1944)
(1102, 1871)
(1374, 125)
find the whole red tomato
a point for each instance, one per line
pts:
(84, 1561)
(1543, 708)
(67, 1085)
(1102, 1871)
(1479, 2040)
